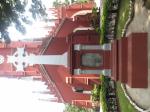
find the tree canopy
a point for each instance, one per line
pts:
(73, 108)
(13, 12)
(58, 3)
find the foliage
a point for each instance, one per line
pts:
(67, 2)
(125, 105)
(82, 1)
(12, 11)
(98, 30)
(103, 21)
(58, 3)
(95, 18)
(103, 93)
(95, 93)
(72, 1)
(37, 9)
(94, 10)
(73, 108)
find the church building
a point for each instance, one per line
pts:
(70, 59)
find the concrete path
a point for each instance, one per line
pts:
(141, 23)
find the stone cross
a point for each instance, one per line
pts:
(21, 59)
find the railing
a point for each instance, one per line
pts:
(69, 80)
(82, 102)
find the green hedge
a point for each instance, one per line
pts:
(103, 93)
(103, 20)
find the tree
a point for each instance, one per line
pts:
(72, 1)
(67, 2)
(73, 108)
(13, 12)
(57, 3)
(82, 1)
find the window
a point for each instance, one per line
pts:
(91, 60)
(78, 89)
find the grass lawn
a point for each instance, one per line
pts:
(123, 16)
(125, 106)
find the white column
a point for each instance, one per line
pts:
(104, 47)
(105, 72)
(48, 59)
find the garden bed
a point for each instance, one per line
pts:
(109, 13)
(108, 97)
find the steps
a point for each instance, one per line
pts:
(130, 60)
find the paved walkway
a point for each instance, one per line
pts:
(141, 23)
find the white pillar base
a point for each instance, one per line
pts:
(87, 92)
(105, 72)
(104, 47)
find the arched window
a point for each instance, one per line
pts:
(78, 89)
(91, 60)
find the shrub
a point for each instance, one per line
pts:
(95, 93)
(103, 93)
(95, 17)
(103, 20)
(73, 108)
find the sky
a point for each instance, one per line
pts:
(22, 95)
(17, 95)
(35, 30)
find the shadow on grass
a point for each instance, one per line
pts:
(125, 105)
(122, 17)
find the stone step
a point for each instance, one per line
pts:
(114, 61)
(138, 60)
(129, 60)
(122, 59)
